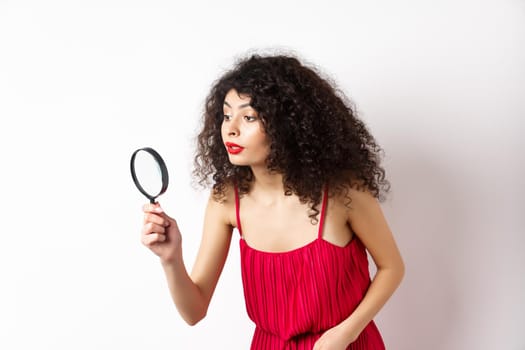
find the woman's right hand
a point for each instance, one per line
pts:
(160, 233)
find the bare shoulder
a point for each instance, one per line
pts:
(215, 242)
(361, 199)
(361, 209)
(367, 220)
(223, 208)
(354, 200)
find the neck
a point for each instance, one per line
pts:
(267, 182)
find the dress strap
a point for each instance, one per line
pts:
(323, 212)
(237, 207)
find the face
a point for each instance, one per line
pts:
(243, 132)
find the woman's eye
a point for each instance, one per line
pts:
(250, 118)
(226, 117)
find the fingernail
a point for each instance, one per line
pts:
(158, 210)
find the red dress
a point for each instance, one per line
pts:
(295, 296)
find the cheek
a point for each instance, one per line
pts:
(265, 145)
(260, 137)
(261, 134)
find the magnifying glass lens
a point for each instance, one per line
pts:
(148, 173)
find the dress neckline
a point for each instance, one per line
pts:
(318, 240)
(321, 216)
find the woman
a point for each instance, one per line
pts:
(298, 174)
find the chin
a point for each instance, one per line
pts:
(237, 161)
(244, 161)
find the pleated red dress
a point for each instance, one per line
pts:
(293, 297)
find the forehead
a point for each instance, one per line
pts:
(233, 99)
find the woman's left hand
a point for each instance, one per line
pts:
(335, 338)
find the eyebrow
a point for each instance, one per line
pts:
(244, 105)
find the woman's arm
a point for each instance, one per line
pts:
(369, 224)
(192, 294)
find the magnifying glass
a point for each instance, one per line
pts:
(149, 173)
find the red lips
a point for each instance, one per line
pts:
(233, 148)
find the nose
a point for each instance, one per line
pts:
(233, 127)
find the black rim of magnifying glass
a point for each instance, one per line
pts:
(163, 172)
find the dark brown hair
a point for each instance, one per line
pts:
(315, 136)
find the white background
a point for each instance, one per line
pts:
(84, 83)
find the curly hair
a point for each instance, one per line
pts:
(316, 139)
